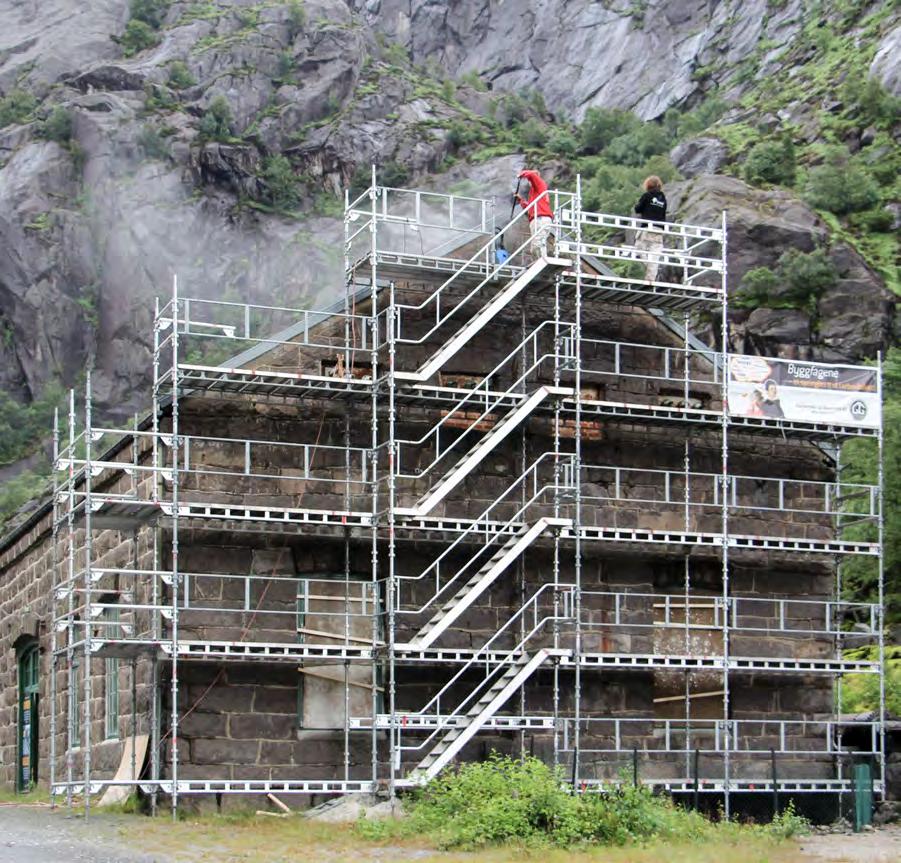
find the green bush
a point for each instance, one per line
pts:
(19, 490)
(636, 147)
(392, 174)
(138, 36)
(510, 800)
(57, 126)
(533, 133)
(757, 288)
(152, 143)
(771, 162)
(158, 98)
(562, 142)
(602, 125)
(878, 221)
(149, 12)
(868, 100)
(841, 188)
(860, 692)
(461, 133)
(280, 182)
(285, 67)
(799, 279)
(24, 426)
(180, 76)
(682, 125)
(16, 106)
(216, 123)
(297, 17)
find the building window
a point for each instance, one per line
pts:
(111, 680)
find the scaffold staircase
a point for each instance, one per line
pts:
(512, 677)
(484, 316)
(502, 677)
(484, 577)
(481, 450)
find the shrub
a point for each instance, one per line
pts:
(285, 66)
(138, 36)
(533, 133)
(158, 98)
(562, 142)
(869, 100)
(799, 279)
(57, 126)
(180, 76)
(771, 162)
(757, 288)
(787, 823)
(149, 12)
(505, 799)
(297, 17)
(472, 78)
(392, 174)
(841, 188)
(24, 426)
(636, 147)
(16, 107)
(461, 133)
(698, 119)
(603, 125)
(877, 221)
(216, 123)
(280, 182)
(152, 143)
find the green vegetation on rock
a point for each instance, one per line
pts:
(216, 123)
(771, 162)
(17, 106)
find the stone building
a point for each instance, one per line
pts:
(476, 506)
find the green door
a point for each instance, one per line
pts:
(27, 749)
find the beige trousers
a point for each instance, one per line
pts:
(650, 241)
(541, 229)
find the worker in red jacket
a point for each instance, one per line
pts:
(538, 211)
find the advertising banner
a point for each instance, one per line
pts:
(803, 392)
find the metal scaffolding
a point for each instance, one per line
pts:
(404, 435)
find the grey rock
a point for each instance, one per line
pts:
(895, 210)
(699, 156)
(578, 55)
(886, 65)
(762, 224)
(42, 41)
(855, 318)
(769, 329)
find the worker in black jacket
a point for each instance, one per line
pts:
(652, 207)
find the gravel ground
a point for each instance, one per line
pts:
(34, 834)
(877, 846)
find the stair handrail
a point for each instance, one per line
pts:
(513, 655)
(483, 251)
(483, 385)
(506, 531)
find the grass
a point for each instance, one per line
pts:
(36, 795)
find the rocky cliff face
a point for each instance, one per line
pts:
(95, 223)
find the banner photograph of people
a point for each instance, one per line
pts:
(802, 391)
